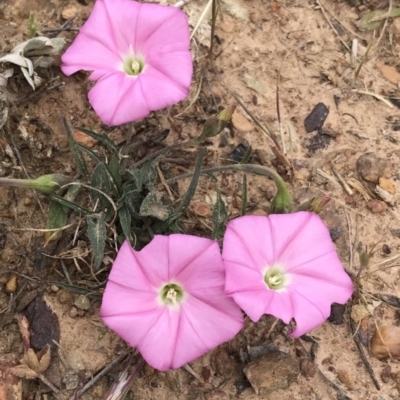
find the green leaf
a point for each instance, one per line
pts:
(145, 176)
(152, 206)
(244, 195)
(114, 167)
(58, 214)
(97, 233)
(100, 138)
(374, 19)
(125, 221)
(101, 180)
(219, 216)
(193, 184)
(96, 158)
(78, 156)
(246, 156)
(56, 218)
(132, 198)
(69, 204)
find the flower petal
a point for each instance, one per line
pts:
(299, 238)
(248, 241)
(153, 333)
(160, 90)
(203, 327)
(163, 28)
(187, 252)
(93, 48)
(126, 270)
(118, 99)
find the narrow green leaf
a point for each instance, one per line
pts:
(114, 166)
(145, 176)
(80, 290)
(78, 156)
(132, 198)
(193, 184)
(219, 216)
(97, 233)
(100, 138)
(56, 218)
(125, 222)
(246, 155)
(374, 19)
(96, 158)
(244, 195)
(101, 180)
(152, 206)
(69, 204)
(58, 214)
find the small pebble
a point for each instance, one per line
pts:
(371, 168)
(65, 296)
(11, 285)
(68, 12)
(241, 123)
(82, 302)
(387, 184)
(346, 378)
(337, 313)
(307, 368)
(54, 288)
(202, 209)
(315, 120)
(377, 206)
(386, 374)
(73, 312)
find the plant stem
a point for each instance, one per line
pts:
(281, 203)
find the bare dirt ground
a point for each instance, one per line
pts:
(306, 43)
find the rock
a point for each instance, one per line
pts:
(271, 372)
(82, 302)
(240, 151)
(84, 139)
(370, 167)
(337, 313)
(11, 285)
(234, 9)
(346, 378)
(315, 120)
(202, 209)
(221, 362)
(317, 142)
(226, 26)
(68, 12)
(385, 342)
(387, 184)
(307, 368)
(386, 374)
(377, 206)
(65, 296)
(241, 123)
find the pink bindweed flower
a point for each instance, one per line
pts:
(286, 266)
(168, 300)
(139, 55)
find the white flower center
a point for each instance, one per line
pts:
(275, 277)
(171, 295)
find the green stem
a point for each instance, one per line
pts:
(281, 203)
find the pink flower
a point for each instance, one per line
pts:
(284, 265)
(139, 55)
(168, 300)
